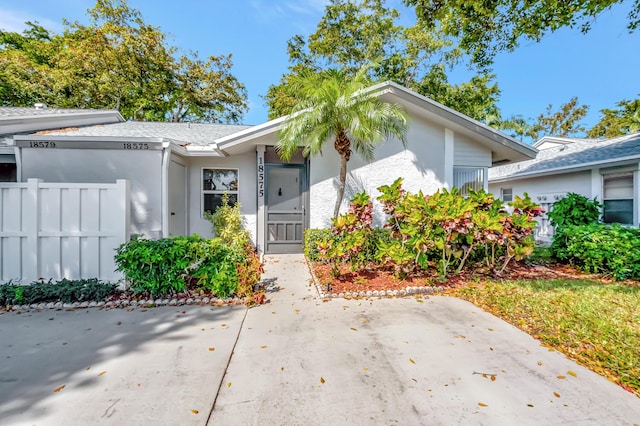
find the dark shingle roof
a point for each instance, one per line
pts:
(569, 156)
(182, 133)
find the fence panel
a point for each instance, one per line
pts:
(61, 230)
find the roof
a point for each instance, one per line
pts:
(181, 133)
(502, 146)
(559, 140)
(580, 154)
(20, 120)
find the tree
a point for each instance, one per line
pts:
(618, 122)
(353, 33)
(565, 122)
(484, 28)
(335, 106)
(118, 61)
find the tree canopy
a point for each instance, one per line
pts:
(619, 121)
(565, 122)
(334, 105)
(117, 61)
(483, 28)
(353, 33)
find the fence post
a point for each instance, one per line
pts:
(31, 227)
(124, 189)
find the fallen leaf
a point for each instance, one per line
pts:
(493, 378)
(281, 368)
(212, 349)
(419, 300)
(365, 369)
(88, 368)
(195, 411)
(411, 361)
(484, 376)
(571, 373)
(539, 362)
(223, 325)
(529, 405)
(556, 394)
(321, 380)
(482, 405)
(273, 313)
(102, 373)
(490, 348)
(561, 377)
(59, 388)
(229, 384)
(202, 329)
(263, 346)
(354, 329)
(490, 329)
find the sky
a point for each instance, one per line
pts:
(600, 68)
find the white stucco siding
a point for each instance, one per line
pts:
(246, 164)
(141, 168)
(469, 153)
(422, 165)
(549, 186)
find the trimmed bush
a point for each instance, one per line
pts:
(312, 237)
(164, 266)
(66, 291)
(574, 209)
(600, 248)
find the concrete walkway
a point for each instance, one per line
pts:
(300, 360)
(296, 360)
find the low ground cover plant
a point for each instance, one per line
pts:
(66, 291)
(443, 232)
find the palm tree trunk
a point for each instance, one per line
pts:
(342, 179)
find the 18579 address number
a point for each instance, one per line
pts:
(42, 144)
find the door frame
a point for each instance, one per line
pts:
(304, 193)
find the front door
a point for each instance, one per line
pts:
(285, 208)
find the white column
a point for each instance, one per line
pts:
(448, 158)
(260, 190)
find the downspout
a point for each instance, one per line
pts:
(166, 156)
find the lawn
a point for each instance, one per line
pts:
(597, 324)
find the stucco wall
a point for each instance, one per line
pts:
(578, 182)
(422, 165)
(246, 163)
(141, 168)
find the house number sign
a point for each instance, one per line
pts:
(51, 144)
(260, 177)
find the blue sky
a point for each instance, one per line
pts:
(600, 68)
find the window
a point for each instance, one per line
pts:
(506, 194)
(215, 182)
(468, 177)
(618, 198)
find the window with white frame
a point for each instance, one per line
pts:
(618, 198)
(506, 194)
(215, 182)
(465, 178)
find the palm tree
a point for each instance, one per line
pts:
(335, 106)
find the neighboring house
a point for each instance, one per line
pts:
(603, 169)
(177, 171)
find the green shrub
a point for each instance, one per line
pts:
(227, 223)
(66, 291)
(574, 209)
(600, 248)
(314, 236)
(160, 267)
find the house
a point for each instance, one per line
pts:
(178, 171)
(603, 169)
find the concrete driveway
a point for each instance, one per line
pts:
(296, 360)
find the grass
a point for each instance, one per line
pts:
(596, 324)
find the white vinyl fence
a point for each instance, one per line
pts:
(61, 230)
